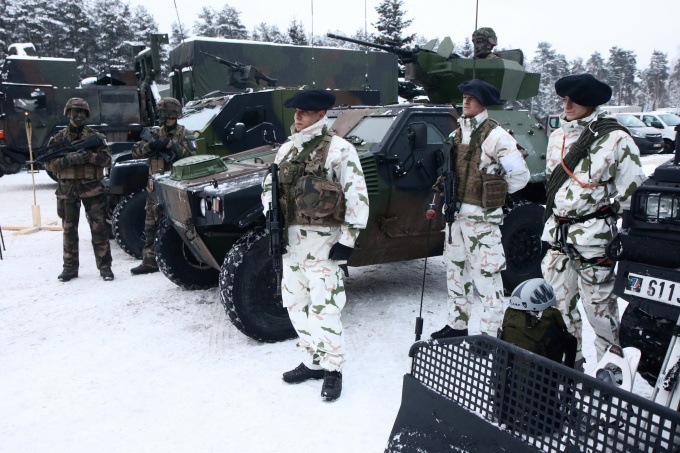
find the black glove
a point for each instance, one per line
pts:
(340, 252)
(158, 145)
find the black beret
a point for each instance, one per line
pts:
(584, 89)
(485, 93)
(311, 100)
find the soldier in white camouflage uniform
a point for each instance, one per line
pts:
(474, 253)
(593, 167)
(312, 286)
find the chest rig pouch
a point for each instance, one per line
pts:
(476, 187)
(308, 197)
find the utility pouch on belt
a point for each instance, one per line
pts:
(320, 199)
(494, 189)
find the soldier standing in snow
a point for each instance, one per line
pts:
(79, 178)
(171, 140)
(318, 243)
(488, 165)
(593, 167)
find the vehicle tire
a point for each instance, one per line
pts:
(127, 223)
(521, 236)
(177, 262)
(248, 290)
(668, 146)
(8, 166)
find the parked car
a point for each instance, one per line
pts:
(665, 123)
(647, 139)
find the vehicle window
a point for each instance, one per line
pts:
(372, 129)
(36, 101)
(252, 118)
(648, 120)
(434, 137)
(629, 121)
(670, 119)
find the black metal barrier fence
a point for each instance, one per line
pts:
(481, 394)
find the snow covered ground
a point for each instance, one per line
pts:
(140, 365)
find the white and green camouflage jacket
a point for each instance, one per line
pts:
(498, 144)
(343, 166)
(614, 160)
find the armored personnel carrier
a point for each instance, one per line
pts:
(214, 226)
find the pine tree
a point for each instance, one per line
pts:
(228, 24)
(576, 66)
(177, 34)
(467, 49)
(296, 33)
(654, 79)
(143, 24)
(268, 33)
(552, 67)
(391, 23)
(113, 21)
(205, 25)
(621, 69)
(674, 85)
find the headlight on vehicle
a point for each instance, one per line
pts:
(658, 207)
(203, 206)
(637, 134)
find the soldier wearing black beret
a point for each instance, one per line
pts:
(323, 194)
(593, 167)
(486, 156)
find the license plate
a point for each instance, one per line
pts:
(653, 288)
(658, 145)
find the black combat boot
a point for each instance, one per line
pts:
(67, 275)
(106, 274)
(448, 332)
(144, 269)
(302, 374)
(332, 386)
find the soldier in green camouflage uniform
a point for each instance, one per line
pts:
(171, 140)
(79, 175)
(484, 40)
(318, 243)
(606, 170)
(473, 250)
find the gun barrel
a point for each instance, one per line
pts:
(231, 64)
(359, 41)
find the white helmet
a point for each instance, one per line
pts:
(533, 295)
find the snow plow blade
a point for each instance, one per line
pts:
(481, 394)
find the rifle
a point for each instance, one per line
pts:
(243, 69)
(275, 227)
(149, 135)
(64, 147)
(449, 179)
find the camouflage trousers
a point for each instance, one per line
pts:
(314, 295)
(151, 219)
(598, 301)
(68, 211)
(475, 259)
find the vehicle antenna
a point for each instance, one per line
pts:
(430, 214)
(313, 60)
(179, 23)
(474, 59)
(367, 85)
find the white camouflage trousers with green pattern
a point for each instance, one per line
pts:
(314, 295)
(598, 301)
(475, 259)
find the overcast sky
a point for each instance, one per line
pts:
(574, 28)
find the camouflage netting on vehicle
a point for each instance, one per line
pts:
(481, 394)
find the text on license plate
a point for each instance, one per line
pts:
(653, 288)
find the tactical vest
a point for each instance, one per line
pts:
(157, 164)
(80, 171)
(307, 196)
(476, 187)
